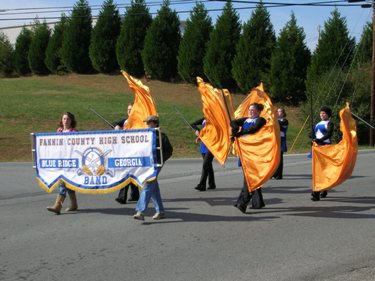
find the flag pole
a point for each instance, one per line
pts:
(183, 118)
(101, 117)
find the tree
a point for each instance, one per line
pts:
(193, 44)
(161, 44)
(130, 43)
(53, 59)
(289, 64)
(252, 60)
(364, 48)
(220, 51)
(76, 40)
(335, 48)
(38, 46)
(104, 36)
(6, 56)
(21, 52)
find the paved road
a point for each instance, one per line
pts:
(204, 236)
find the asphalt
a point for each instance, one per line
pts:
(203, 237)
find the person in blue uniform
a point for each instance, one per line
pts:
(322, 135)
(244, 126)
(207, 169)
(283, 123)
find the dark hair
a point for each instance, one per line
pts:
(283, 111)
(327, 110)
(258, 106)
(73, 124)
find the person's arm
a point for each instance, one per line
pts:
(236, 124)
(255, 128)
(197, 123)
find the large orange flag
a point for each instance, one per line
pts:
(216, 133)
(333, 164)
(143, 105)
(259, 152)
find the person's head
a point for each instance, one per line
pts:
(325, 113)
(68, 120)
(255, 109)
(152, 121)
(281, 112)
(129, 108)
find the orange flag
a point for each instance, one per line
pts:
(143, 105)
(333, 164)
(216, 133)
(259, 152)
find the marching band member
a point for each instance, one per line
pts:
(322, 136)
(249, 125)
(151, 189)
(283, 123)
(67, 124)
(207, 169)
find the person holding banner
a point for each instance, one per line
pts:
(241, 127)
(67, 124)
(123, 193)
(321, 135)
(151, 189)
(207, 169)
(283, 123)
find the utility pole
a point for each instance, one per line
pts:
(372, 99)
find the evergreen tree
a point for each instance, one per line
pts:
(130, 43)
(220, 48)
(161, 44)
(53, 53)
(289, 64)
(104, 36)
(193, 44)
(38, 46)
(364, 48)
(252, 60)
(6, 56)
(76, 40)
(21, 52)
(335, 48)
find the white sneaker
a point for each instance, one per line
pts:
(139, 216)
(158, 216)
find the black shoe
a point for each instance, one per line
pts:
(242, 208)
(323, 194)
(119, 200)
(200, 188)
(211, 187)
(315, 198)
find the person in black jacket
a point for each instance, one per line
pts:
(248, 125)
(283, 123)
(151, 189)
(207, 169)
(123, 193)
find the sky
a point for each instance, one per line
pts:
(310, 18)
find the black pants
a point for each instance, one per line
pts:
(207, 171)
(279, 172)
(245, 196)
(134, 193)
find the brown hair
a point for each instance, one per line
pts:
(283, 111)
(73, 124)
(258, 106)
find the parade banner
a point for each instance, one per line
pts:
(95, 162)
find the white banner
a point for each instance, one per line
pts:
(95, 162)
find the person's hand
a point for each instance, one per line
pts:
(197, 133)
(117, 127)
(197, 140)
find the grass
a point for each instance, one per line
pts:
(34, 104)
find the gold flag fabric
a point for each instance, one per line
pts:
(259, 152)
(143, 105)
(333, 164)
(216, 133)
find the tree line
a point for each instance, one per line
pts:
(227, 54)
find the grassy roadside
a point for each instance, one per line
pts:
(34, 104)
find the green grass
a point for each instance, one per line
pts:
(34, 104)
